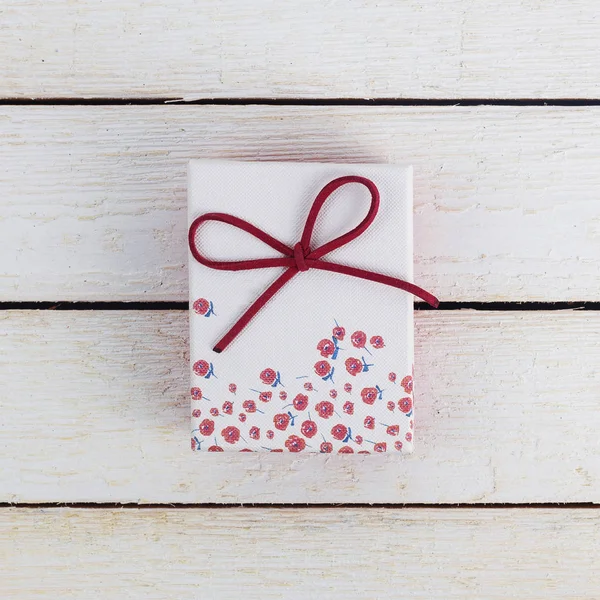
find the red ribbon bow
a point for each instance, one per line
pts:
(300, 257)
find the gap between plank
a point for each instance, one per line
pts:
(302, 101)
(214, 505)
(158, 305)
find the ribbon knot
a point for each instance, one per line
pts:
(299, 258)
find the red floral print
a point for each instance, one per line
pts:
(270, 377)
(339, 333)
(265, 396)
(203, 307)
(281, 421)
(353, 366)
(369, 395)
(324, 370)
(326, 348)
(392, 430)
(358, 339)
(203, 368)
(207, 427)
(231, 434)
(405, 404)
(249, 406)
(377, 341)
(308, 429)
(325, 409)
(407, 384)
(340, 432)
(345, 439)
(295, 443)
(300, 402)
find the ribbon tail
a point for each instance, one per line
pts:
(401, 284)
(251, 311)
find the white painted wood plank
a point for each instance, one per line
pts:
(92, 199)
(300, 48)
(95, 408)
(301, 554)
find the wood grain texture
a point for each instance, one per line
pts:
(300, 48)
(93, 199)
(95, 408)
(301, 554)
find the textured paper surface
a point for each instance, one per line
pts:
(292, 381)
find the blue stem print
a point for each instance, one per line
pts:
(348, 436)
(336, 348)
(329, 376)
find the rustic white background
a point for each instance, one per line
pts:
(93, 403)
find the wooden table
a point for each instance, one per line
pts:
(101, 496)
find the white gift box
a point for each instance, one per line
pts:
(327, 364)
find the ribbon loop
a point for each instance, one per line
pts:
(343, 239)
(299, 258)
(239, 265)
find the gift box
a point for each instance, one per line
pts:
(301, 310)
